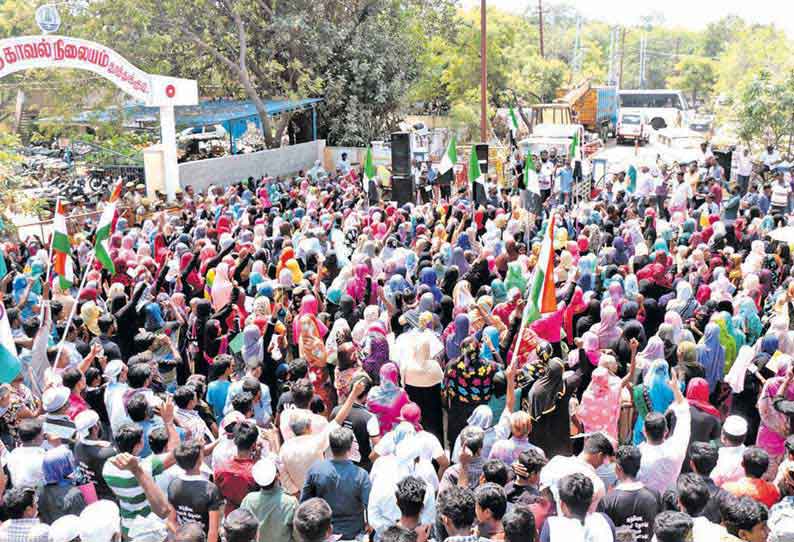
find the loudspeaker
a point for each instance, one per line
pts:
(401, 154)
(724, 158)
(482, 156)
(402, 189)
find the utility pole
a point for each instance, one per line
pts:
(576, 61)
(622, 54)
(611, 71)
(540, 26)
(641, 75)
(483, 74)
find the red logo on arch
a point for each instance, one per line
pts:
(170, 91)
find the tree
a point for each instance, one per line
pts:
(755, 49)
(694, 75)
(765, 104)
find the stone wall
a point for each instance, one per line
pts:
(231, 169)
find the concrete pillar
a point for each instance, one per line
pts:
(168, 140)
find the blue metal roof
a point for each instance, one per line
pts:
(207, 112)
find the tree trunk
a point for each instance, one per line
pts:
(282, 125)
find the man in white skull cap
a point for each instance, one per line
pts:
(729, 462)
(100, 522)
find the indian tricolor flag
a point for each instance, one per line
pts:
(105, 229)
(370, 173)
(542, 296)
(60, 246)
(448, 161)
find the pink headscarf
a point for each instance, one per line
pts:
(221, 292)
(599, 409)
(607, 329)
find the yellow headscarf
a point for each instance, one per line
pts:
(90, 313)
(295, 269)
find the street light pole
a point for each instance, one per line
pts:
(483, 73)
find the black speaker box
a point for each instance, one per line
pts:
(401, 154)
(402, 189)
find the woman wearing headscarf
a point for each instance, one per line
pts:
(468, 382)
(684, 303)
(599, 407)
(744, 401)
(221, 291)
(726, 338)
(705, 418)
(312, 348)
(346, 367)
(422, 377)
(454, 341)
(687, 362)
(548, 406)
(774, 426)
(573, 311)
(591, 317)
(59, 496)
(377, 355)
(653, 395)
(429, 278)
(607, 329)
(387, 398)
(711, 355)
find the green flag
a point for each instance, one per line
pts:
(513, 122)
(475, 175)
(369, 170)
(573, 151)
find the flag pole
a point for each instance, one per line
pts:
(49, 255)
(74, 305)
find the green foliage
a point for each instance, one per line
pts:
(694, 75)
(766, 104)
(12, 197)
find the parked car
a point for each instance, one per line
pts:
(632, 126)
(202, 133)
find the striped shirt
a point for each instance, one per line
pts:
(132, 499)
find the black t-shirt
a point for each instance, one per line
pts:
(517, 494)
(91, 455)
(357, 422)
(193, 498)
(632, 510)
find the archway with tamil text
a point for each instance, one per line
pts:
(51, 51)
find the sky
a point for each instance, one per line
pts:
(691, 14)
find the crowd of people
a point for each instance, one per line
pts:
(295, 360)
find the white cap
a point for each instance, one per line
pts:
(85, 421)
(147, 529)
(735, 426)
(264, 471)
(113, 368)
(55, 398)
(65, 529)
(100, 521)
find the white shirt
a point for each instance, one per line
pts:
(25, 466)
(745, 168)
(644, 184)
(661, 463)
(729, 465)
(769, 159)
(382, 510)
(561, 466)
(705, 531)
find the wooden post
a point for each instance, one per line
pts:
(540, 26)
(483, 73)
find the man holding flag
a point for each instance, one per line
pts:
(369, 176)
(446, 169)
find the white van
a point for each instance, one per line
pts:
(632, 126)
